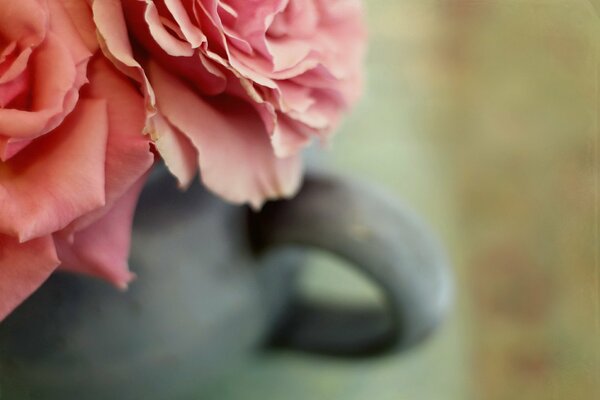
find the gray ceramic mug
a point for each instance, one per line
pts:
(210, 290)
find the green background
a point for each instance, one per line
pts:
(484, 117)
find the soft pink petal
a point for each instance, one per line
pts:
(65, 29)
(13, 88)
(80, 13)
(114, 39)
(102, 249)
(287, 53)
(53, 61)
(12, 64)
(23, 268)
(128, 154)
(197, 68)
(295, 97)
(234, 150)
(169, 43)
(47, 86)
(300, 19)
(192, 33)
(58, 178)
(9, 147)
(23, 21)
(288, 138)
(179, 154)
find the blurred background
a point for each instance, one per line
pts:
(484, 116)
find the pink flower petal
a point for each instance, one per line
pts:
(288, 138)
(102, 249)
(12, 65)
(128, 154)
(172, 45)
(234, 151)
(110, 22)
(193, 34)
(180, 156)
(57, 178)
(53, 61)
(9, 147)
(65, 29)
(23, 268)
(13, 88)
(80, 14)
(24, 21)
(197, 68)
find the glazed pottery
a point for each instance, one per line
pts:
(216, 281)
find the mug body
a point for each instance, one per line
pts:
(204, 299)
(201, 302)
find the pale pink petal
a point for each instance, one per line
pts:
(192, 33)
(114, 39)
(66, 31)
(234, 150)
(169, 43)
(13, 88)
(287, 53)
(13, 65)
(299, 19)
(80, 13)
(58, 178)
(180, 156)
(128, 154)
(53, 61)
(295, 97)
(102, 249)
(23, 21)
(23, 268)
(9, 147)
(288, 138)
(197, 68)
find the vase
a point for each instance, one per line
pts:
(217, 281)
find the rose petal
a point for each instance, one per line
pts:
(80, 14)
(102, 249)
(23, 268)
(14, 65)
(193, 35)
(114, 39)
(58, 178)
(23, 21)
(63, 26)
(9, 147)
(180, 156)
(53, 61)
(13, 88)
(128, 155)
(288, 138)
(234, 150)
(197, 68)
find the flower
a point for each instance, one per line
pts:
(234, 88)
(72, 156)
(238, 87)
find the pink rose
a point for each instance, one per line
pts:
(238, 87)
(72, 156)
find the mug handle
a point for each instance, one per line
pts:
(386, 242)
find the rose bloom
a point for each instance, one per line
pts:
(72, 155)
(237, 88)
